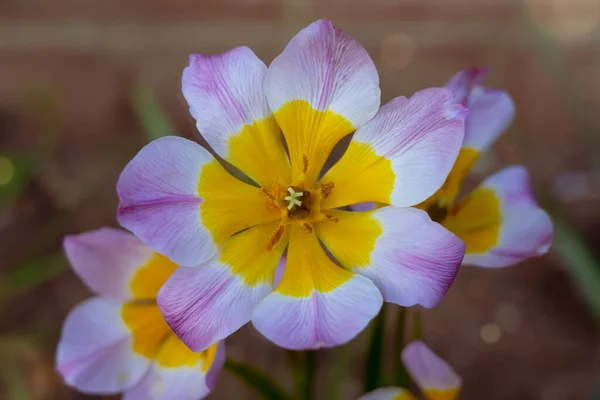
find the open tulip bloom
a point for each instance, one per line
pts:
(433, 376)
(118, 342)
(499, 221)
(229, 237)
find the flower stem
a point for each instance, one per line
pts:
(257, 380)
(310, 365)
(417, 329)
(373, 370)
(400, 375)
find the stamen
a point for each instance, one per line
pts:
(275, 238)
(307, 228)
(304, 163)
(331, 218)
(266, 194)
(326, 189)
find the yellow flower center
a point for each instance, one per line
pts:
(298, 205)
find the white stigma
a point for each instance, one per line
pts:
(292, 199)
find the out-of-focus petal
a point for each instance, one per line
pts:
(447, 194)
(321, 88)
(500, 221)
(179, 373)
(104, 349)
(403, 155)
(181, 202)
(317, 303)
(107, 259)
(388, 393)
(411, 259)
(436, 379)
(226, 96)
(490, 110)
(207, 303)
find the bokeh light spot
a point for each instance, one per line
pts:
(567, 20)
(508, 317)
(397, 50)
(490, 333)
(7, 170)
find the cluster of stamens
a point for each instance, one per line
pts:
(296, 207)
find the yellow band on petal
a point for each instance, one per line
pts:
(405, 395)
(148, 327)
(247, 256)
(310, 135)
(447, 194)
(175, 354)
(230, 205)
(308, 268)
(476, 219)
(148, 280)
(372, 177)
(258, 152)
(351, 239)
(437, 394)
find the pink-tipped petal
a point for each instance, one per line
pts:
(321, 88)
(106, 259)
(491, 111)
(317, 303)
(410, 258)
(463, 82)
(403, 155)
(95, 352)
(226, 96)
(194, 380)
(430, 372)
(319, 320)
(159, 200)
(207, 303)
(525, 230)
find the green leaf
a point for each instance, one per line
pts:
(31, 275)
(257, 380)
(373, 367)
(150, 113)
(583, 266)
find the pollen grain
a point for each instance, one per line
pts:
(326, 189)
(275, 237)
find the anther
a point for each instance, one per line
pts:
(304, 163)
(275, 237)
(307, 228)
(326, 189)
(331, 218)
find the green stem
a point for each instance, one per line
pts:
(338, 365)
(373, 372)
(310, 365)
(417, 328)
(258, 380)
(400, 377)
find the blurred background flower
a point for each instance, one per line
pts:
(86, 84)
